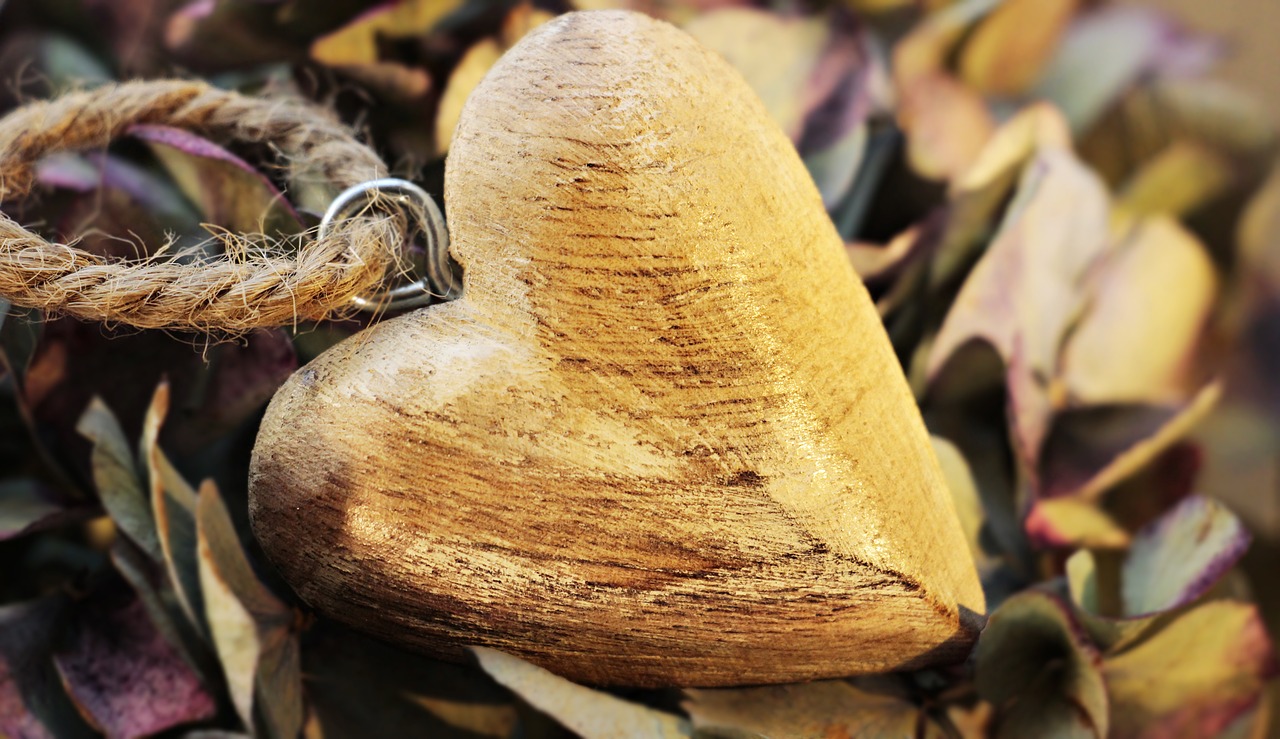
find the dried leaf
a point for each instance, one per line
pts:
(115, 474)
(814, 710)
(1069, 523)
(472, 68)
(796, 46)
(589, 713)
(28, 506)
(148, 579)
(1090, 450)
(946, 122)
(116, 208)
(355, 48)
(817, 82)
(33, 704)
(228, 191)
(964, 493)
(250, 627)
(173, 506)
(978, 195)
(1152, 299)
(1179, 557)
(1107, 51)
(125, 676)
(1009, 49)
(215, 35)
(1178, 180)
(358, 687)
(947, 126)
(1195, 678)
(1161, 113)
(1022, 296)
(1172, 563)
(1037, 667)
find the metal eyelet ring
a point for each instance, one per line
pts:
(440, 280)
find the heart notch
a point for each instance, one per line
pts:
(662, 439)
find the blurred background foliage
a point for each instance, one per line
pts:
(1067, 218)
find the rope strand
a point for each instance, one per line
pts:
(266, 288)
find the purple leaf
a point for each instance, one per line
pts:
(1181, 556)
(125, 676)
(33, 704)
(229, 191)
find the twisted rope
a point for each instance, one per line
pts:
(243, 289)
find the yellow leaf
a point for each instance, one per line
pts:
(472, 68)
(357, 42)
(1178, 180)
(589, 713)
(1195, 678)
(1152, 298)
(1008, 52)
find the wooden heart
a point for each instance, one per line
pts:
(662, 439)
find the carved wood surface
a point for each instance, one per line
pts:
(662, 439)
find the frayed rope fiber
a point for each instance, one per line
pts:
(242, 290)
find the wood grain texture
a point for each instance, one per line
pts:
(661, 440)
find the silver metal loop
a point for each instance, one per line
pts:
(440, 280)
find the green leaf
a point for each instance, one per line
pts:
(173, 505)
(1197, 677)
(115, 474)
(1037, 667)
(251, 628)
(589, 713)
(811, 710)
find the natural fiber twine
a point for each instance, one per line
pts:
(243, 289)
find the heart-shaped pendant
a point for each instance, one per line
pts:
(662, 439)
